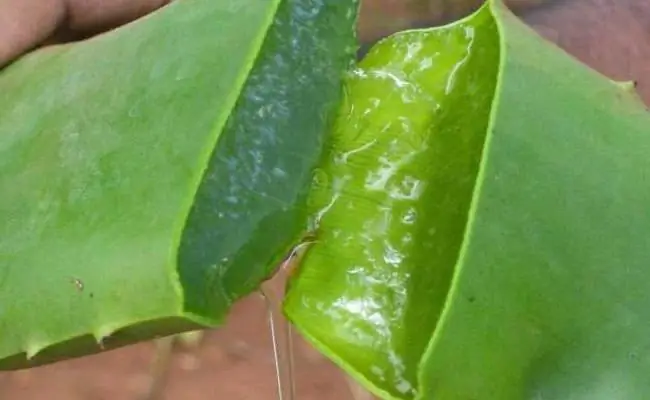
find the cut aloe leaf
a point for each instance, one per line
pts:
(482, 224)
(153, 175)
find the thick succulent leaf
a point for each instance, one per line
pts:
(151, 176)
(482, 222)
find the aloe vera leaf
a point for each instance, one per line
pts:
(391, 199)
(518, 268)
(552, 288)
(153, 175)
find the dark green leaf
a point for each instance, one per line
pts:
(153, 175)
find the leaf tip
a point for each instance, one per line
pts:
(33, 349)
(630, 89)
(103, 333)
(628, 86)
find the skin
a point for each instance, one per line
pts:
(27, 24)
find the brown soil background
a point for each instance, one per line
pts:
(236, 362)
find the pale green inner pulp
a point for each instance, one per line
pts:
(391, 199)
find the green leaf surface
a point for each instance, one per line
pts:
(482, 222)
(153, 175)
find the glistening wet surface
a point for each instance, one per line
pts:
(390, 199)
(237, 362)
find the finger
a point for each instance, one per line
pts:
(24, 24)
(92, 16)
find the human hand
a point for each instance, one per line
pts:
(26, 24)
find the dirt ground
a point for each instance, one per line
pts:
(236, 362)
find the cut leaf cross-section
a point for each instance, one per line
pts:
(151, 176)
(482, 222)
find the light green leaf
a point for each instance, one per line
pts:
(153, 175)
(482, 220)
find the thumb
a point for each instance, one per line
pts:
(25, 24)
